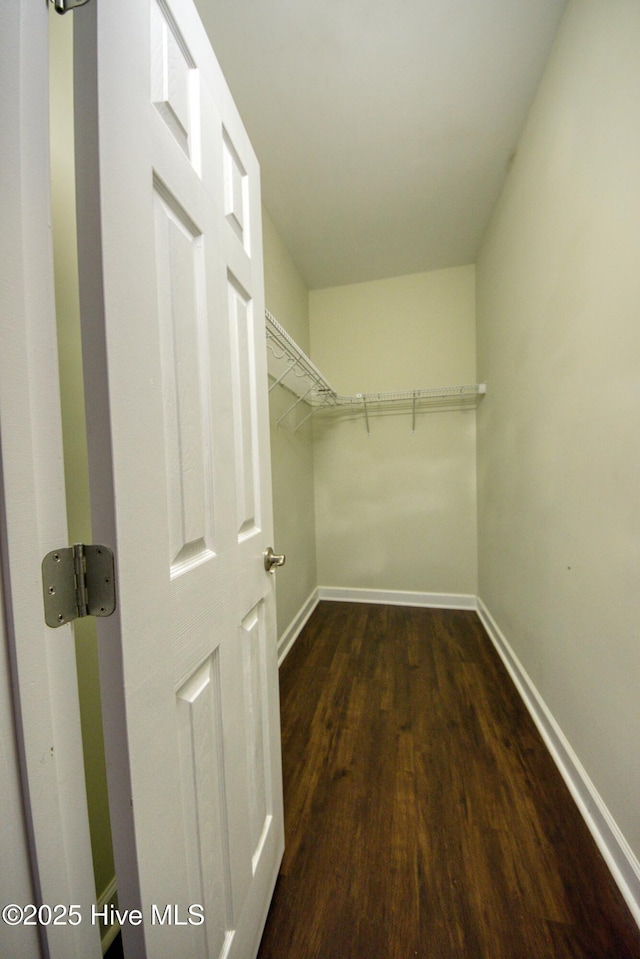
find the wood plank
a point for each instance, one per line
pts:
(423, 813)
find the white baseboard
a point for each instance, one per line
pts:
(108, 898)
(384, 596)
(617, 853)
(392, 597)
(296, 626)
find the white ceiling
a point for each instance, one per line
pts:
(383, 129)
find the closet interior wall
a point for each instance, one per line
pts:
(396, 510)
(291, 452)
(559, 458)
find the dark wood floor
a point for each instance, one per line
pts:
(424, 816)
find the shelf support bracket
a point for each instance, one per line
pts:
(280, 378)
(366, 415)
(292, 408)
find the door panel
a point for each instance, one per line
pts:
(174, 80)
(253, 640)
(186, 387)
(200, 720)
(244, 404)
(173, 302)
(235, 193)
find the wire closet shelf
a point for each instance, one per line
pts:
(289, 366)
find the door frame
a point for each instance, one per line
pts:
(45, 726)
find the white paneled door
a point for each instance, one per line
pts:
(173, 339)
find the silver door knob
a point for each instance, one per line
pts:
(273, 560)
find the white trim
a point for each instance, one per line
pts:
(296, 626)
(392, 597)
(617, 853)
(109, 898)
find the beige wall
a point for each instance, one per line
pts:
(74, 437)
(397, 511)
(559, 450)
(291, 453)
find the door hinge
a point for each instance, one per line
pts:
(62, 6)
(78, 581)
